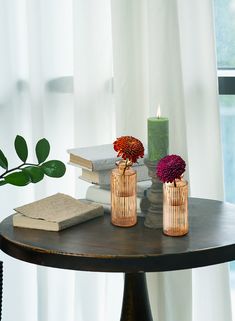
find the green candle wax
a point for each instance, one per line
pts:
(158, 138)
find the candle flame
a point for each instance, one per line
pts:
(158, 111)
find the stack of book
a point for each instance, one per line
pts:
(96, 163)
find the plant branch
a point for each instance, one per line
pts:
(16, 168)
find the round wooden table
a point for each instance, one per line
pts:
(99, 246)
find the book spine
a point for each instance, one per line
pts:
(98, 195)
(103, 177)
(140, 209)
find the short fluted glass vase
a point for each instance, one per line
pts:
(175, 208)
(123, 195)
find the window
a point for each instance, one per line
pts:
(225, 46)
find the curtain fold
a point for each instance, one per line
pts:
(93, 97)
(130, 65)
(199, 78)
(82, 73)
(35, 47)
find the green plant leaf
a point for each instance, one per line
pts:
(3, 183)
(54, 168)
(21, 148)
(3, 160)
(35, 173)
(18, 179)
(42, 150)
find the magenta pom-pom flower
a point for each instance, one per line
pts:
(170, 168)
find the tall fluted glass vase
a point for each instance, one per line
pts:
(123, 195)
(175, 208)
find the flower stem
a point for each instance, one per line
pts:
(126, 162)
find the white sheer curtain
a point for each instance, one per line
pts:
(36, 46)
(81, 73)
(168, 53)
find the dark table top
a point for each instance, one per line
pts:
(99, 246)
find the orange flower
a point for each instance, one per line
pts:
(129, 147)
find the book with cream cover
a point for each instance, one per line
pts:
(55, 213)
(102, 196)
(103, 177)
(96, 158)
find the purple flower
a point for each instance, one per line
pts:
(170, 168)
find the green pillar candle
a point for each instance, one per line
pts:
(158, 138)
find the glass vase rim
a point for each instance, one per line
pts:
(124, 162)
(171, 184)
(122, 170)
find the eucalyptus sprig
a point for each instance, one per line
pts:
(27, 172)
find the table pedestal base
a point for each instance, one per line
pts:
(135, 306)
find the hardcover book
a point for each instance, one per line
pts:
(102, 197)
(55, 213)
(142, 205)
(103, 177)
(96, 158)
(103, 193)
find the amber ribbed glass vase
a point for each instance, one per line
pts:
(175, 208)
(123, 195)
